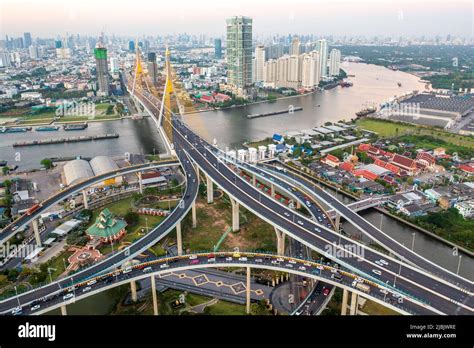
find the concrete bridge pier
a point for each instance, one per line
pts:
(254, 180)
(280, 241)
(247, 288)
(153, 293)
(338, 222)
(179, 239)
(133, 288)
(63, 310)
(210, 190)
(37, 233)
(235, 215)
(354, 301)
(345, 297)
(298, 204)
(84, 199)
(193, 212)
(140, 182)
(272, 190)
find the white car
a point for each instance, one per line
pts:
(87, 288)
(147, 269)
(289, 265)
(212, 259)
(317, 229)
(377, 272)
(320, 267)
(384, 262)
(127, 270)
(192, 257)
(308, 203)
(228, 258)
(68, 296)
(92, 282)
(17, 311)
(242, 259)
(383, 291)
(307, 264)
(396, 295)
(303, 268)
(292, 261)
(275, 262)
(300, 222)
(379, 263)
(280, 259)
(258, 260)
(35, 308)
(165, 265)
(286, 214)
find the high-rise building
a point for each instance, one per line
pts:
(322, 48)
(239, 53)
(270, 73)
(152, 68)
(100, 54)
(131, 46)
(5, 60)
(259, 63)
(114, 65)
(295, 47)
(218, 48)
(33, 51)
(27, 40)
(311, 70)
(334, 62)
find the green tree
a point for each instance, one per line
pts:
(47, 163)
(132, 218)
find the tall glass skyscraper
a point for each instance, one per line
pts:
(239, 52)
(100, 54)
(218, 48)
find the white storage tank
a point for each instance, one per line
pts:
(271, 150)
(242, 155)
(262, 150)
(253, 156)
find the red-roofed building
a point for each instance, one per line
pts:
(380, 163)
(365, 174)
(331, 160)
(348, 167)
(373, 150)
(425, 159)
(405, 163)
(468, 167)
(364, 147)
(392, 168)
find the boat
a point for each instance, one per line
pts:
(399, 84)
(346, 83)
(14, 129)
(75, 126)
(47, 128)
(3, 163)
(366, 111)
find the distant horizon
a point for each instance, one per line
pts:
(365, 18)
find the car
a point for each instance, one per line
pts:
(193, 257)
(320, 267)
(242, 259)
(384, 262)
(17, 311)
(35, 308)
(317, 229)
(307, 264)
(87, 288)
(286, 214)
(377, 272)
(308, 203)
(275, 262)
(147, 269)
(379, 263)
(354, 283)
(396, 295)
(303, 268)
(289, 265)
(337, 277)
(165, 265)
(228, 258)
(316, 271)
(383, 291)
(194, 262)
(325, 291)
(280, 259)
(292, 261)
(212, 259)
(300, 222)
(92, 282)
(236, 255)
(14, 228)
(334, 270)
(68, 296)
(258, 260)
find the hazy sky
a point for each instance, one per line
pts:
(48, 18)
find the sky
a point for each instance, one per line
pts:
(49, 18)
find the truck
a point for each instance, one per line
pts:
(363, 287)
(33, 209)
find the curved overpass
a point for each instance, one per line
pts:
(125, 254)
(310, 269)
(445, 297)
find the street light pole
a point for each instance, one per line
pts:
(17, 297)
(413, 241)
(459, 264)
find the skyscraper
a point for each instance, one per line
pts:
(217, 48)
(27, 40)
(152, 67)
(100, 54)
(322, 48)
(239, 53)
(334, 62)
(295, 47)
(131, 46)
(311, 70)
(259, 62)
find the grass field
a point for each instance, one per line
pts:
(373, 308)
(388, 129)
(225, 308)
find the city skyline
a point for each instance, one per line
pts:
(350, 17)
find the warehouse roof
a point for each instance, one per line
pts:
(76, 171)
